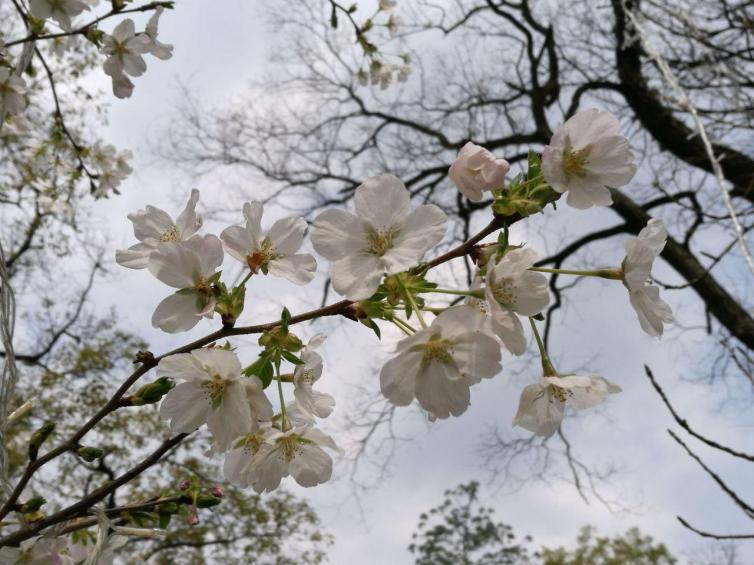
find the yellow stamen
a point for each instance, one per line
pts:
(574, 161)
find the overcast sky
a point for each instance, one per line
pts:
(219, 48)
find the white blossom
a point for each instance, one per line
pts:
(213, 392)
(263, 459)
(160, 50)
(511, 289)
(388, 5)
(153, 226)
(319, 404)
(59, 10)
(393, 23)
(383, 237)
(476, 170)
(273, 251)
(585, 156)
(438, 364)
(125, 49)
(188, 266)
(641, 252)
(12, 88)
(542, 405)
(37, 551)
(112, 167)
(61, 45)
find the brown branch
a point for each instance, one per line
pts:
(744, 506)
(338, 308)
(83, 505)
(685, 425)
(711, 535)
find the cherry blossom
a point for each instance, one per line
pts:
(190, 267)
(542, 405)
(37, 551)
(263, 459)
(239, 457)
(308, 400)
(12, 88)
(59, 10)
(383, 237)
(213, 392)
(512, 290)
(160, 50)
(476, 170)
(112, 166)
(641, 251)
(153, 226)
(438, 364)
(585, 156)
(125, 49)
(274, 251)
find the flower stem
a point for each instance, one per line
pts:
(246, 278)
(434, 310)
(547, 368)
(479, 293)
(400, 326)
(283, 417)
(410, 298)
(613, 274)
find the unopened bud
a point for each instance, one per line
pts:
(89, 454)
(152, 392)
(144, 357)
(38, 438)
(32, 505)
(94, 35)
(280, 339)
(208, 501)
(184, 484)
(218, 491)
(193, 516)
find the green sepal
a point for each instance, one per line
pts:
(291, 358)
(207, 501)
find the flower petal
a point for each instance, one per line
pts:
(398, 377)
(287, 235)
(299, 269)
(382, 201)
(337, 234)
(186, 406)
(357, 276)
(177, 313)
(422, 229)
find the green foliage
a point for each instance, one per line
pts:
(525, 195)
(76, 379)
(632, 547)
(461, 531)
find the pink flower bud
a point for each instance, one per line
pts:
(218, 491)
(193, 516)
(184, 484)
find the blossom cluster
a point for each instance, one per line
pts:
(124, 48)
(376, 255)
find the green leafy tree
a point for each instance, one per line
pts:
(632, 547)
(461, 531)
